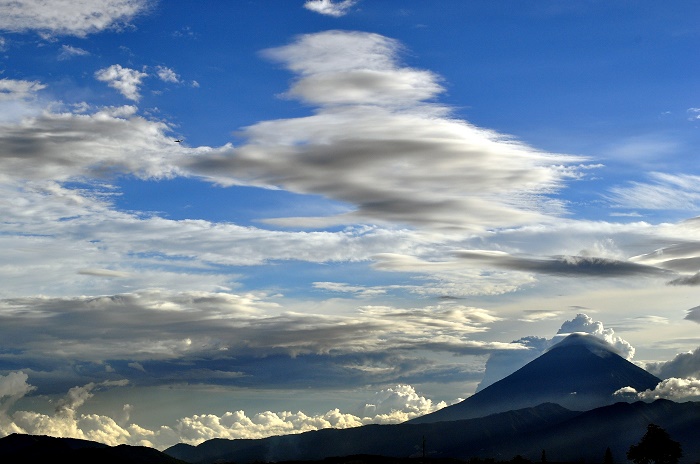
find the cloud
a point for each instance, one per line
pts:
(127, 81)
(389, 406)
(682, 365)
(152, 337)
(665, 192)
(68, 52)
(673, 389)
(503, 363)
(329, 7)
(692, 280)
(11, 89)
(353, 289)
(582, 323)
(68, 17)
(561, 265)
(54, 146)
(372, 137)
(13, 386)
(693, 314)
(167, 75)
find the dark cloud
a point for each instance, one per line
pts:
(562, 265)
(151, 337)
(687, 280)
(693, 314)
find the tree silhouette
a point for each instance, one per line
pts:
(608, 459)
(656, 447)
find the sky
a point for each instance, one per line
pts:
(235, 219)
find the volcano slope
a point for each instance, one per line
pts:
(579, 373)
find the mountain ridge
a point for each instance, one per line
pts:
(566, 436)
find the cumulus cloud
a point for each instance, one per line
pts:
(329, 7)
(504, 363)
(682, 365)
(369, 142)
(389, 406)
(167, 75)
(68, 17)
(582, 323)
(674, 389)
(127, 81)
(13, 386)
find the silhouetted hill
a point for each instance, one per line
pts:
(21, 448)
(567, 436)
(445, 439)
(580, 373)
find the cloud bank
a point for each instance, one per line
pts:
(390, 406)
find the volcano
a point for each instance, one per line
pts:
(579, 373)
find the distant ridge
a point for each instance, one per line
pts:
(579, 373)
(567, 436)
(23, 448)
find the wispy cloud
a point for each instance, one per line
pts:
(664, 191)
(68, 52)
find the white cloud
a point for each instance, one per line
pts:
(127, 81)
(11, 89)
(390, 406)
(167, 75)
(68, 17)
(68, 52)
(345, 288)
(682, 365)
(674, 389)
(61, 146)
(329, 7)
(583, 323)
(665, 191)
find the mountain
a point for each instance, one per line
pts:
(566, 436)
(40, 448)
(580, 373)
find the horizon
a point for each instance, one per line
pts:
(236, 220)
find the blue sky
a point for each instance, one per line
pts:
(374, 210)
